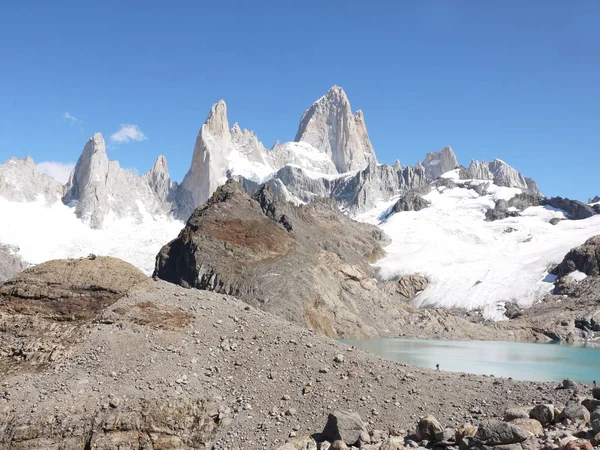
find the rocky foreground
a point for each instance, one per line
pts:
(94, 355)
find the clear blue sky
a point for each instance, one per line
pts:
(516, 80)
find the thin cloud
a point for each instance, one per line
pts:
(127, 133)
(57, 170)
(71, 118)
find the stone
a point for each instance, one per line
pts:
(569, 384)
(345, 426)
(543, 413)
(338, 445)
(596, 393)
(496, 432)
(299, 443)
(578, 444)
(595, 421)
(531, 425)
(465, 430)
(427, 428)
(575, 412)
(592, 404)
(516, 413)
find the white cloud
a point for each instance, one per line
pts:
(72, 119)
(59, 171)
(127, 133)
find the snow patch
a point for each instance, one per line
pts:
(577, 275)
(44, 232)
(472, 263)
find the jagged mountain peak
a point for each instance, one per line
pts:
(437, 163)
(330, 126)
(216, 123)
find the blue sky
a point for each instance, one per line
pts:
(512, 80)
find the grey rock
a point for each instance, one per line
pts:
(437, 163)
(98, 187)
(592, 404)
(574, 209)
(575, 412)
(595, 421)
(569, 384)
(595, 199)
(516, 413)
(496, 432)
(500, 173)
(596, 393)
(330, 126)
(585, 258)
(410, 201)
(297, 154)
(544, 413)
(344, 426)
(21, 181)
(427, 428)
(519, 202)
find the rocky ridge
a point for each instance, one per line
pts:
(21, 181)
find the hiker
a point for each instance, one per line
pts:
(437, 367)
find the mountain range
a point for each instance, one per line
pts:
(466, 210)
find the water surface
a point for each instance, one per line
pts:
(521, 361)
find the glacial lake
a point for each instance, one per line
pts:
(519, 360)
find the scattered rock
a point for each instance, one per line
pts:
(345, 426)
(427, 428)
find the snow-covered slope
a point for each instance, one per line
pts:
(44, 232)
(472, 263)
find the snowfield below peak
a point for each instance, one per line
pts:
(44, 232)
(471, 263)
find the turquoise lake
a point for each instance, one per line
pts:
(521, 361)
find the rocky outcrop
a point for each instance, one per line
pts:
(330, 126)
(301, 263)
(99, 187)
(411, 201)
(437, 163)
(70, 289)
(500, 173)
(410, 285)
(585, 258)
(10, 262)
(574, 209)
(21, 181)
(514, 206)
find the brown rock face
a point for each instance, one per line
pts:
(44, 309)
(70, 289)
(307, 264)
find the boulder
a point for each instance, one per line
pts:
(465, 430)
(575, 412)
(343, 426)
(543, 413)
(569, 384)
(496, 432)
(516, 413)
(410, 285)
(427, 428)
(595, 421)
(596, 393)
(592, 404)
(531, 425)
(338, 445)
